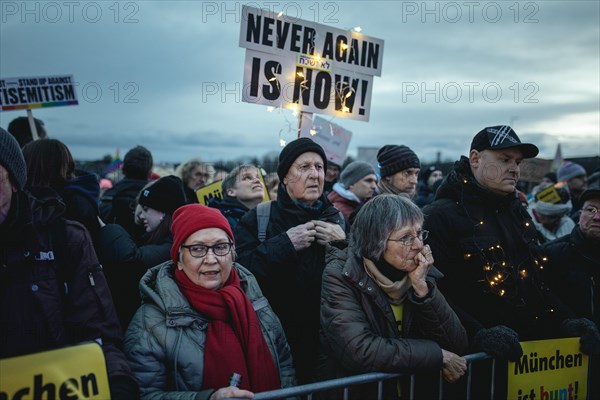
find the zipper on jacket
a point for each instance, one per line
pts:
(92, 281)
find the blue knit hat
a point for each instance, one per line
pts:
(569, 170)
(12, 159)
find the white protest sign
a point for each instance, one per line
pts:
(333, 138)
(307, 66)
(37, 92)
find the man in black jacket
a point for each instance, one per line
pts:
(289, 262)
(52, 290)
(484, 242)
(117, 204)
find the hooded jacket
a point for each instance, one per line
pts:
(52, 290)
(486, 246)
(359, 333)
(290, 279)
(343, 199)
(231, 208)
(165, 340)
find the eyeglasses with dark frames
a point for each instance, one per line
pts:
(200, 250)
(409, 240)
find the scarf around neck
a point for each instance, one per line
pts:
(234, 340)
(395, 290)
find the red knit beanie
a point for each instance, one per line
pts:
(194, 217)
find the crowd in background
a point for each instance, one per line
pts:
(342, 269)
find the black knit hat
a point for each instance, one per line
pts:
(293, 150)
(12, 159)
(502, 137)
(393, 158)
(165, 195)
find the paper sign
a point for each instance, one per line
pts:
(333, 138)
(37, 92)
(77, 372)
(549, 369)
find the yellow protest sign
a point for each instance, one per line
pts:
(205, 193)
(549, 369)
(77, 372)
(548, 195)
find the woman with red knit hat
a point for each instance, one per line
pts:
(203, 318)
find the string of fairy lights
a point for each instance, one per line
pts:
(500, 275)
(343, 91)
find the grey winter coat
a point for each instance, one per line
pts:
(165, 340)
(358, 328)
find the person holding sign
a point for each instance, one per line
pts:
(53, 291)
(204, 319)
(381, 310)
(286, 250)
(485, 244)
(243, 190)
(574, 266)
(550, 211)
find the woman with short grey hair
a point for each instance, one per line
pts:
(380, 306)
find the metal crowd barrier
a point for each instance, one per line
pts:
(379, 377)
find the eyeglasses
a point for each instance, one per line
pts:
(591, 210)
(200, 250)
(409, 240)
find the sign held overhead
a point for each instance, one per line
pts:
(308, 66)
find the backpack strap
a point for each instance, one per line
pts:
(57, 239)
(263, 214)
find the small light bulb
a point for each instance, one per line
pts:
(357, 29)
(281, 142)
(270, 108)
(313, 132)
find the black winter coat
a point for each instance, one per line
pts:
(359, 332)
(125, 263)
(289, 279)
(573, 272)
(117, 204)
(486, 246)
(36, 312)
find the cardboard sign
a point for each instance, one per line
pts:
(77, 372)
(333, 138)
(309, 67)
(549, 369)
(548, 195)
(37, 92)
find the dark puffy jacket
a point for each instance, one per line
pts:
(117, 205)
(290, 279)
(166, 338)
(47, 304)
(486, 246)
(125, 262)
(359, 332)
(573, 272)
(231, 209)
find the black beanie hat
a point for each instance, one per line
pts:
(165, 195)
(293, 150)
(393, 159)
(12, 159)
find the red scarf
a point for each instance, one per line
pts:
(234, 340)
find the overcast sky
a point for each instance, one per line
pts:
(143, 70)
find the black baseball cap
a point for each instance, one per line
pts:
(502, 137)
(590, 193)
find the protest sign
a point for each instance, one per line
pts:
(307, 66)
(76, 372)
(37, 92)
(549, 369)
(210, 191)
(333, 138)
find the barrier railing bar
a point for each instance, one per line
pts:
(370, 377)
(492, 379)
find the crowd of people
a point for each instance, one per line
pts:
(317, 271)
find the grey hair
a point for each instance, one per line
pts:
(233, 176)
(378, 219)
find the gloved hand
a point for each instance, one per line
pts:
(499, 341)
(589, 342)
